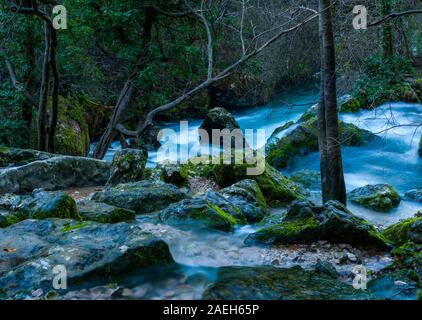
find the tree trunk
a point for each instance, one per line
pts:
(45, 79)
(387, 30)
(333, 185)
(128, 90)
(55, 91)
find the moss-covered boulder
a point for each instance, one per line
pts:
(3, 219)
(403, 231)
(103, 213)
(350, 104)
(309, 179)
(248, 198)
(415, 195)
(209, 210)
(219, 118)
(304, 139)
(11, 157)
(274, 185)
(88, 250)
(57, 173)
(128, 166)
(379, 197)
(72, 136)
(142, 196)
(269, 283)
(39, 205)
(306, 223)
(175, 173)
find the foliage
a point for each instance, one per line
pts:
(382, 80)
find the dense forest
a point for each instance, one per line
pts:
(86, 88)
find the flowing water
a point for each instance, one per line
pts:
(393, 159)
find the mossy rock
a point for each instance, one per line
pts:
(380, 197)
(304, 140)
(72, 135)
(350, 105)
(403, 231)
(103, 213)
(10, 157)
(306, 223)
(274, 186)
(128, 166)
(210, 210)
(40, 205)
(269, 283)
(309, 179)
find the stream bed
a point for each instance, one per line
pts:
(199, 254)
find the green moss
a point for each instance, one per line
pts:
(289, 232)
(353, 105)
(419, 297)
(223, 214)
(61, 206)
(155, 254)
(71, 227)
(398, 233)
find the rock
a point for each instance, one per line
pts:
(403, 231)
(309, 179)
(219, 118)
(246, 196)
(274, 186)
(72, 134)
(85, 249)
(415, 195)
(208, 210)
(349, 103)
(379, 197)
(275, 135)
(311, 113)
(3, 220)
(39, 205)
(270, 283)
(304, 140)
(324, 267)
(306, 223)
(54, 174)
(174, 174)
(142, 196)
(100, 212)
(128, 166)
(148, 139)
(10, 157)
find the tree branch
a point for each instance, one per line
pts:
(392, 16)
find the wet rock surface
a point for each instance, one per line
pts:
(266, 283)
(31, 249)
(56, 173)
(142, 196)
(100, 212)
(304, 223)
(380, 197)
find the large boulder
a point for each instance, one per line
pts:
(415, 195)
(30, 250)
(142, 196)
(10, 157)
(403, 231)
(219, 118)
(379, 197)
(54, 174)
(209, 210)
(269, 283)
(101, 212)
(128, 166)
(304, 139)
(247, 197)
(274, 185)
(306, 223)
(39, 205)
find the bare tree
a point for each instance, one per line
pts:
(258, 43)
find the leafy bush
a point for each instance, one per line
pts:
(13, 132)
(382, 81)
